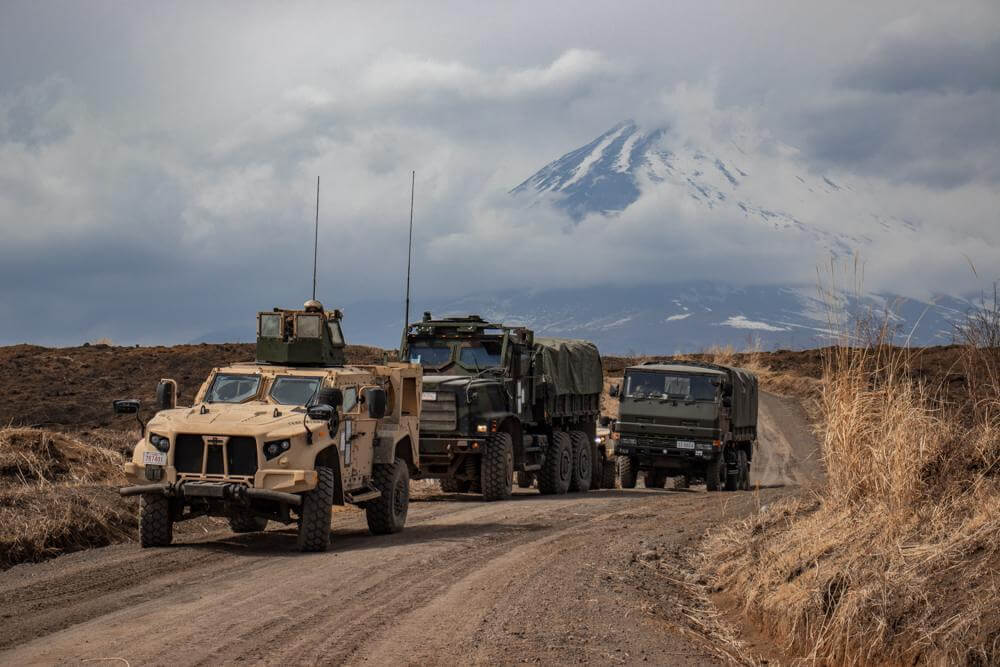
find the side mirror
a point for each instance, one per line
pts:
(605, 421)
(321, 412)
(329, 396)
(375, 399)
(613, 391)
(126, 406)
(166, 395)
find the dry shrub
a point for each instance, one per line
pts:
(57, 494)
(897, 559)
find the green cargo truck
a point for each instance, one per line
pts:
(690, 420)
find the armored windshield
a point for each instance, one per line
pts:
(484, 355)
(294, 390)
(647, 384)
(233, 388)
(430, 355)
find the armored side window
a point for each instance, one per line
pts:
(350, 398)
(269, 325)
(336, 335)
(308, 326)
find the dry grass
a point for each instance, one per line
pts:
(56, 493)
(898, 558)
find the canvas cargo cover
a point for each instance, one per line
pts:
(744, 412)
(571, 366)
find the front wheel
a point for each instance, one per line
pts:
(387, 513)
(316, 511)
(744, 470)
(656, 479)
(715, 473)
(607, 473)
(628, 474)
(156, 524)
(498, 467)
(244, 522)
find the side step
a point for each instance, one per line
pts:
(362, 495)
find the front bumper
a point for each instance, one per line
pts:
(266, 479)
(231, 491)
(646, 449)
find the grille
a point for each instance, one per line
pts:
(242, 456)
(441, 414)
(188, 453)
(240, 453)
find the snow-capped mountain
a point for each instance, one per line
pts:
(753, 180)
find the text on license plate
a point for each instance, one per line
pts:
(154, 459)
(429, 396)
(685, 444)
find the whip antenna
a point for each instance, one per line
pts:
(316, 239)
(409, 257)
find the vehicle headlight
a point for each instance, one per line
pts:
(276, 448)
(160, 442)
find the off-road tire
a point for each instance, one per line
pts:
(628, 475)
(554, 477)
(452, 485)
(715, 473)
(596, 469)
(387, 513)
(732, 478)
(743, 465)
(244, 522)
(156, 524)
(656, 479)
(582, 461)
(525, 479)
(315, 512)
(682, 482)
(607, 473)
(498, 467)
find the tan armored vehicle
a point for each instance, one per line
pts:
(282, 438)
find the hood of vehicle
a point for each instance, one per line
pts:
(219, 415)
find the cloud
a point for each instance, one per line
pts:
(160, 166)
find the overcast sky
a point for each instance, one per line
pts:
(158, 160)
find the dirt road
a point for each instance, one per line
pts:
(562, 579)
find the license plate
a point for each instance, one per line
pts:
(429, 396)
(154, 459)
(685, 444)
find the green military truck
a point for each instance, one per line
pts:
(690, 420)
(497, 400)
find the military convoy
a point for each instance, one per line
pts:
(499, 400)
(689, 420)
(287, 436)
(282, 438)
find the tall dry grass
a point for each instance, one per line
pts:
(897, 559)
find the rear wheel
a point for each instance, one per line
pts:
(682, 482)
(744, 470)
(656, 479)
(244, 522)
(607, 473)
(627, 472)
(315, 512)
(554, 477)
(498, 467)
(387, 513)
(156, 524)
(525, 479)
(582, 461)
